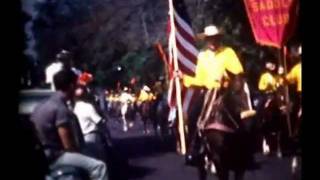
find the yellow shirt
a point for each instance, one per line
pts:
(294, 76)
(144, 96)
(151, 97)
(279, 80)
(267, 82)
(211, 67)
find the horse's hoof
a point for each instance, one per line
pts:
(294, 164)
(131, 125)
(213, 169)
(265, 147)
(279, 154)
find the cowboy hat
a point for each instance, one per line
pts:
(146, 88)
(209, 31)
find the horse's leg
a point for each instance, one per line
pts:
(267, 137)
(155, 120)
(216, 144)
(124, 121)
(202, 173)
(222, 172)
(144, 124)
(279, 151)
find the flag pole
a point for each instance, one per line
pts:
(287, 98)
(177, 80)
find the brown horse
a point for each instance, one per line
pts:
(145, 112)
(223, 132)
(272, 123)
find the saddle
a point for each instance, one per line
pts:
(217, 116)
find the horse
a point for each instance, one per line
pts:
(271, 123)
(161, 116)
(222, 132)
(145, 112)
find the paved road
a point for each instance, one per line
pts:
(147, 157)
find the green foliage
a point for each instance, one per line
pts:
(106, 34)
(143, 65)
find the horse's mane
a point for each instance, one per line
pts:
(228, 105)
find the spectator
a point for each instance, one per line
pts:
(89, 119)
(53, 122)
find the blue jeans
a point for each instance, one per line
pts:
(94, 146)
(96, 169)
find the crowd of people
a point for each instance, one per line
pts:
(222, 123)
(71, 124)
(128, 105)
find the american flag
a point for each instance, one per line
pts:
(186, 52)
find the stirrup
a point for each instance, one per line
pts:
(247, 114)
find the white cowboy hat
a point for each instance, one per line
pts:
(146, 88)
(211, 30)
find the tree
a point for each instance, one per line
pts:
(106, 33)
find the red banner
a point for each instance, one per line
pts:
(272, 21)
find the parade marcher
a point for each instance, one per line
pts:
(216, 66)
(295, 77)
(271, 120)
(125, 99)
(213, 63)
(267, 82)
(54, 123)
(144, 104)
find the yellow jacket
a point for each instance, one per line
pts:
(294, 76)
(211, 67)
(145, 96)
(267, 82)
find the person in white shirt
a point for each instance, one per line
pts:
(125, 99)
(51, 70)
(89, 121)
(63, 60)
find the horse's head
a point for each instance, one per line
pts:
(231, 103)
(236, 82)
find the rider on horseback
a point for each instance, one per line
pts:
(270, 106)
(144, 104)
(295, 77)
(217, 66)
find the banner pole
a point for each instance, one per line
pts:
(287, 98)
(177, 81)
(163, 56)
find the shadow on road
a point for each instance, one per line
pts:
(138, 172)
(144, 146)
(135, 146)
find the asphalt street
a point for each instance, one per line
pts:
(149, 157)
